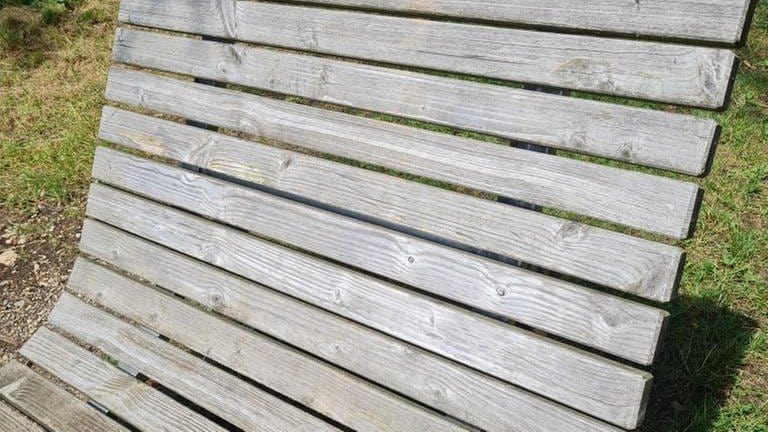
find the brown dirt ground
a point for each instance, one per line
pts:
(36, 254)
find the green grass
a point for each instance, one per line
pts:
(713, 375)
(51, 88)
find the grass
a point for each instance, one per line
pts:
(713, 375)
(51, 94)
(715, 368)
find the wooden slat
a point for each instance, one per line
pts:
(622, 327)
(630, 264)
(137, 403)
(230, 398)
(12, 421)
(319, 386)
(625, 133)
(325, 181)
(485, 402)
(303, 125)
(714, 21)
(50, 405)
(654, 204)
(604, 388)
(681, 74)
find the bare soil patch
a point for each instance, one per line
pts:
(36, 255)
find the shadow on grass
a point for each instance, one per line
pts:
(704, 348)
(22, 36)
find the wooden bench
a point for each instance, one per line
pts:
(316, 233)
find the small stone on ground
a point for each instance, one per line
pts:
(35, 261)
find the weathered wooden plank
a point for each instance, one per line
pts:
(12, 421)
(137, 403)
(624, 328)
(630, 264)
(230, 398)
(585, 381)
(654, 203)
(48, 404)
(464, 393)
(681, 74)
(534, 301)
(620, 132)
(713, 21)
(313, 127)
(319, 386)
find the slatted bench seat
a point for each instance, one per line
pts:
(309, 219)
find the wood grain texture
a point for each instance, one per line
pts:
(312, 127)
(49, 404)
(654, 204)
(680, 74)
(713, 21)
(137, 403)
(598, 386)
(630, 264)
(658, 139)
(315, 384)
(12, 421)
(624, 328)
(461, 392)
(230, 398)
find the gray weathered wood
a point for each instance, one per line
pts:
(12, 421)
(588, 382)
(313, 127)
(621, 327)
(459, 391)
(713, 21)
(230, 398)
(655, 138)
(681, 74)
(48, 404)
(137, 403)
(317, 385)
(418, 362)
(630, 264)
(654, 204)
